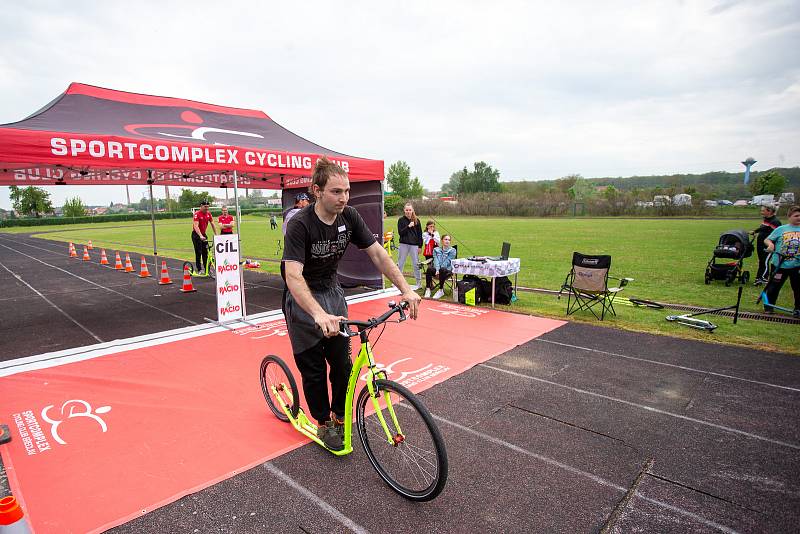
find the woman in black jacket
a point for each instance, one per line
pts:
(768, 224)
(410, 231)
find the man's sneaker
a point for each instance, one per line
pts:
(759, 282)
(414, 287)
(427, 293)
(339, 425)
(439, 294)
(330, 436)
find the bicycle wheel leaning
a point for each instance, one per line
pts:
(275, 373)
(188, 264)
(414, 463)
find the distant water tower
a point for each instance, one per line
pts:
(749, 162)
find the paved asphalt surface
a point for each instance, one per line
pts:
(585, 429)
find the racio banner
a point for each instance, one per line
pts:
(230, 293)
(98, 136)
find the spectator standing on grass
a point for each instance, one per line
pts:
(410, 232)
(442, 267)
(200, 221)
(301, 200)
(769, 223)
(786, 241)
(430, 240)
(226, 222)
(273, 222)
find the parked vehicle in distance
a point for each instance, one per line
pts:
(740, 203)
(710, 203)
(724, 203)
(786, 198)
(662, 200)
(760, 200)
(682, 199)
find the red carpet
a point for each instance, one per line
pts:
(99, 442)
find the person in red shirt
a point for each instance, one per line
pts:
(226, 222)
(200, 222)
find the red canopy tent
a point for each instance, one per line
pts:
(92, 135)
(95, 136)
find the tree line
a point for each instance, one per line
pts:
(479, 191)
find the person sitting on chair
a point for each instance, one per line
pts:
(442, 267)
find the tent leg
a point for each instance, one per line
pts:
(152, 216)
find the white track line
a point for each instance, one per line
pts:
(100, 285)
(580, 472)
(51, 303)
(647, 408)
(316, 499)
(656, 362)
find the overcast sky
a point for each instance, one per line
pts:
(536, 89)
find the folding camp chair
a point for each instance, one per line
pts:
(587, 285)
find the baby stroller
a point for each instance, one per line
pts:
(733, 245)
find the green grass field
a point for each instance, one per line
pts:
(666, 257)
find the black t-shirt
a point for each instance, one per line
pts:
(319, 246)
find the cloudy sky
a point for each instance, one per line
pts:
(535, 89)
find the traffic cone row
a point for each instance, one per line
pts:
(128, 268)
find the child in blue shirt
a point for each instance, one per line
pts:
(442, 267)
(786, 241)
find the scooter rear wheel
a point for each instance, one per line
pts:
(275, 373)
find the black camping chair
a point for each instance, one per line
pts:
(587, 285)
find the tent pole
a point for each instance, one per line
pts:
(239, 239)
(152, 216)
(383, 230)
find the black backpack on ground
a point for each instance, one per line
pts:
(503, 290)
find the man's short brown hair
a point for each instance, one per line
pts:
(794, 209)
(323, 170)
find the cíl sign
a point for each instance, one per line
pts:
(230, 293)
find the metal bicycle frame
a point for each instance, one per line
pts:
(306, 427)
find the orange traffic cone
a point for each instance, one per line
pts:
(103, 257)
(128, 264)
(86, 255)
(164, 274)
(72, 252)
(12, 518)
(187, 281)
(118, 265)
(143, 272)
(90, 245)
